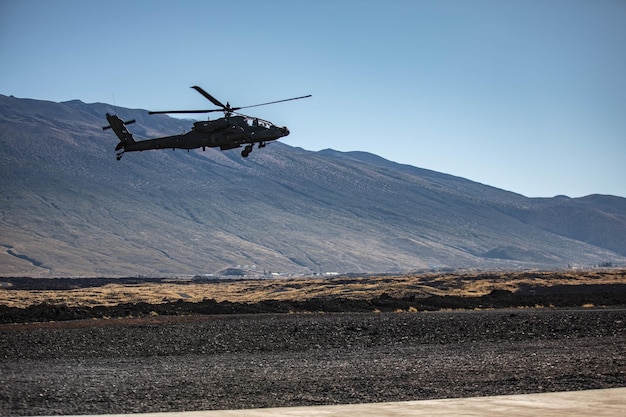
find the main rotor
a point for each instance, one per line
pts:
(226, 108)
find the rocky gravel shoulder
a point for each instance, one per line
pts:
(201, 362)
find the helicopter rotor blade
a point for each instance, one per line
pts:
(272, 102)
(224, 108)
(183, 111)
(208, 96)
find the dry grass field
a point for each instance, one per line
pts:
(108, 292)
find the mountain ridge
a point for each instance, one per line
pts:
(69, 208)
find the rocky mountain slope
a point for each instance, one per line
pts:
(68, 207)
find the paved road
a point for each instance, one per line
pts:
(592, 403)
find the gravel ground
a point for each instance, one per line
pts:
(276, 360)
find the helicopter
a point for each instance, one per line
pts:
(229, 132)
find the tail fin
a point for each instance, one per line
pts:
(119, 127)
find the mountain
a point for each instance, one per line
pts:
(69, 208)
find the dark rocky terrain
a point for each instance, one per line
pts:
(70, 209)
(169, 363)
(366, 339)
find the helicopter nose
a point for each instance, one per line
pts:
(285, 131)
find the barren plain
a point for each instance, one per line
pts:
(77, 346)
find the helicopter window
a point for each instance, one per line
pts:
(259, 122)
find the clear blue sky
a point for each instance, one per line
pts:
(527, 95)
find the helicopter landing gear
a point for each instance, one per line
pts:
(246, 151)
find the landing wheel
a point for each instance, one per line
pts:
(246, 151)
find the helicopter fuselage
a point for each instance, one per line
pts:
(225, 133)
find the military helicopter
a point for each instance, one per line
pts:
(228, 132)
